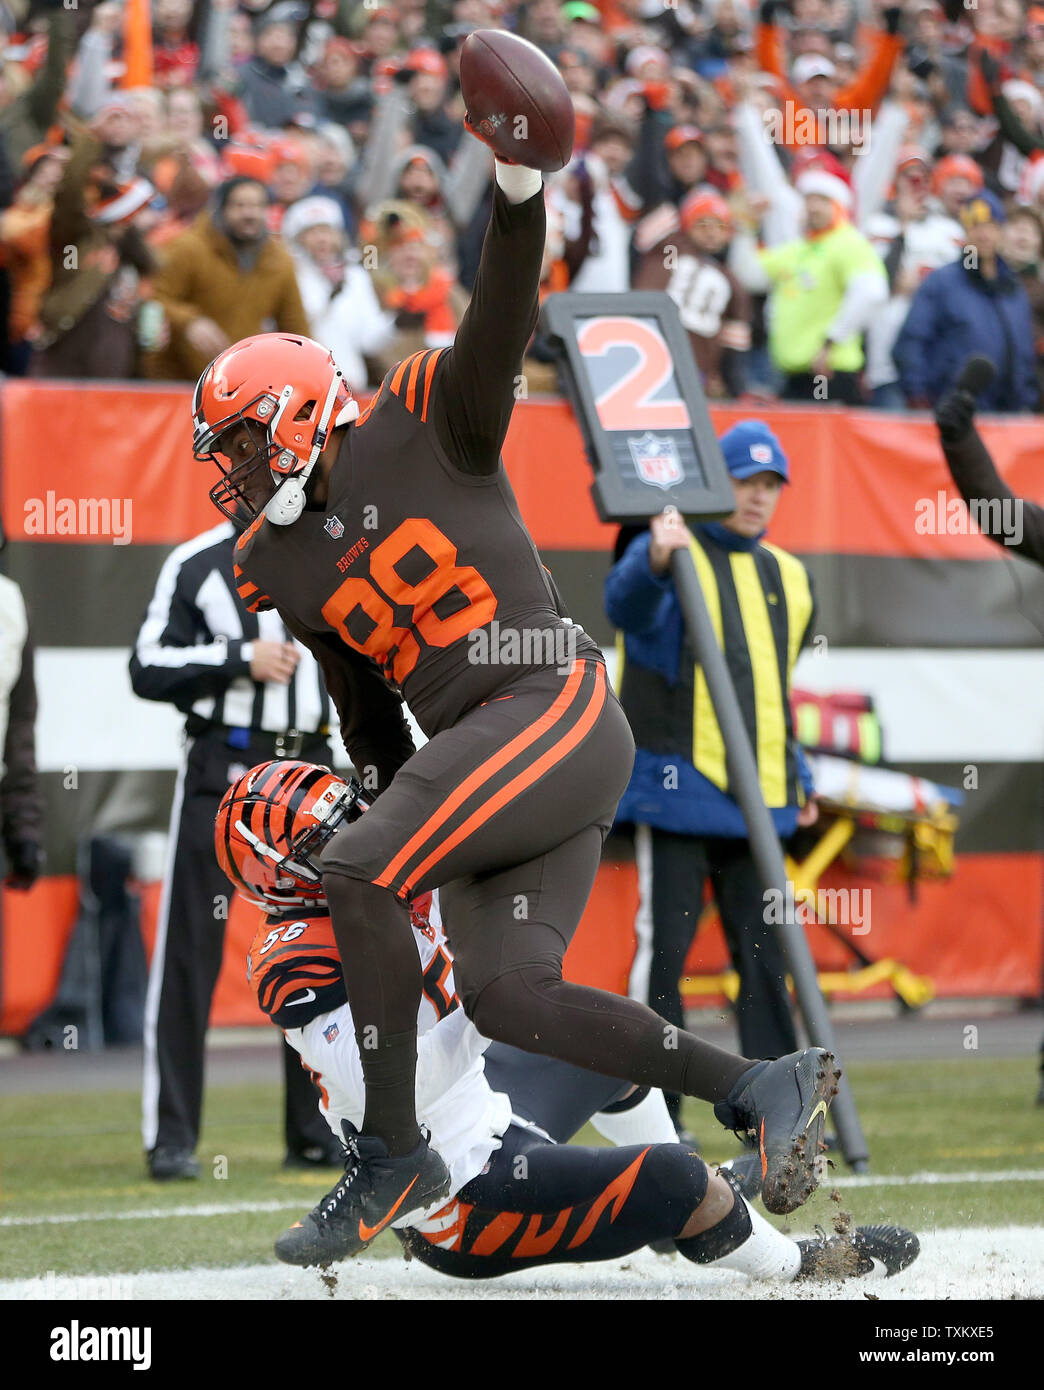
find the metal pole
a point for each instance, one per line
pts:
(764, 842)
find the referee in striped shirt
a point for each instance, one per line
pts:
(249, 693)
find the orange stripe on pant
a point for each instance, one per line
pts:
(534, 1243)
(484, 772)
(619, 1189)
(579, 731)
(496, 1233)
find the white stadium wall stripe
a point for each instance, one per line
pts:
(936, 706)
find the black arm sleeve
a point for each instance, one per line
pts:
(476, 379)
(20, 802)
(976, 477)
(373, 727)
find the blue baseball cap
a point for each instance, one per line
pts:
(982, 207)
(750, 447)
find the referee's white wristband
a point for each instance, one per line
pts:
(517, 182)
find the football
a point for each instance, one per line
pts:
(516, 99)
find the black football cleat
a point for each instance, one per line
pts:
(744, 1173)
(168, 1164)
(376, 1190)
(781, 1108)
(870, 1251)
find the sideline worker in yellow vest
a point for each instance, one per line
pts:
(688, 827)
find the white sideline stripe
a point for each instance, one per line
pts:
(978, 1262)
(243, 1208)
(154, 1213)
(934, 1179)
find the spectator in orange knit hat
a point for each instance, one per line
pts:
(292, 177)
(253, 157)
(954, 179)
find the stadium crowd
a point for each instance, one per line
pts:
(844, 197)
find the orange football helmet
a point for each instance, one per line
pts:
(288, 392)
(272, 825)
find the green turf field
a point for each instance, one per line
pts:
(80, 1155)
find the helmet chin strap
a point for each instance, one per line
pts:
(287, 503)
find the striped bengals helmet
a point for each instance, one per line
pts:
(272, 825)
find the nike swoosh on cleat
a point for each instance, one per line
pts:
(761, 1147)
(820, 1109)
(368, 1232)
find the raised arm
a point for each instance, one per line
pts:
(975, 474)
(476, 381)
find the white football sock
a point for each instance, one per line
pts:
(648, 1122)
(765, 1254)
(517, 182)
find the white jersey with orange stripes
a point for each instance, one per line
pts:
(465, 1116)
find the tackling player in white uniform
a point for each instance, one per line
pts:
(520, 1194)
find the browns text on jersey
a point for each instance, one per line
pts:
(441, 552)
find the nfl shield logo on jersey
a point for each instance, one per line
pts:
(656, 460)
(334, 527)
(330, 1033)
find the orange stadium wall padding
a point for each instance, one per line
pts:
(862, 472)
(36, 929)
(933, 937)
(862, 476)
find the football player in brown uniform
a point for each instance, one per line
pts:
(393, 547)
